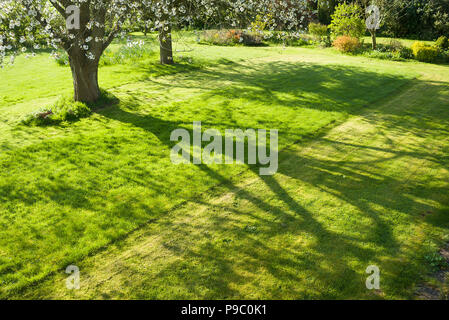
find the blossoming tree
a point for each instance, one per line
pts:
(85, 28)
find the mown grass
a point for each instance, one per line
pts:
(68, 191)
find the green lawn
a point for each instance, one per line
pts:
(363, 161)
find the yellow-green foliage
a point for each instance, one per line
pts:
(424, 52)
(347, 20)
(442, 43)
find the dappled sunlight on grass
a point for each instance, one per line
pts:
(342, 199)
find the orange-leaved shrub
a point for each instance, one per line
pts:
(346, 43)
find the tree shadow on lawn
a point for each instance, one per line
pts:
(360, 185)
(293, 84)
(219, 257)
(288, 86)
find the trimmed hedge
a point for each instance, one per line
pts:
(424, 52)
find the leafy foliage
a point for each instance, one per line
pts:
(319, 31)
(419, 19)
(347, 21)
(442, 43)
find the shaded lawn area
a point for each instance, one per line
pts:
(66, 192)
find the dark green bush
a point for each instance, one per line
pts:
(444, 56)
(392, 51)
(405, 53)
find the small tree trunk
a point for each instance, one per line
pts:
(85, 78)
(373, 37)
(166, 47)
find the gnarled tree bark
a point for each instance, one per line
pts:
(85, 78)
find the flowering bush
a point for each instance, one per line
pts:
(347, 44)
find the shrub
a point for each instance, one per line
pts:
(406, 53)
(444, 56)
(231, 37)
(442, 43)
(286, 38)
(319, 31)
(346, 44)
(251, 39)
(347, 20)
(397, 50)
(67, 110)
(424, 52)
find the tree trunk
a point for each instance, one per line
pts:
(85, 78)
(373, 37)
(166, 47)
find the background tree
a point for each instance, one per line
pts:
(419, 19)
